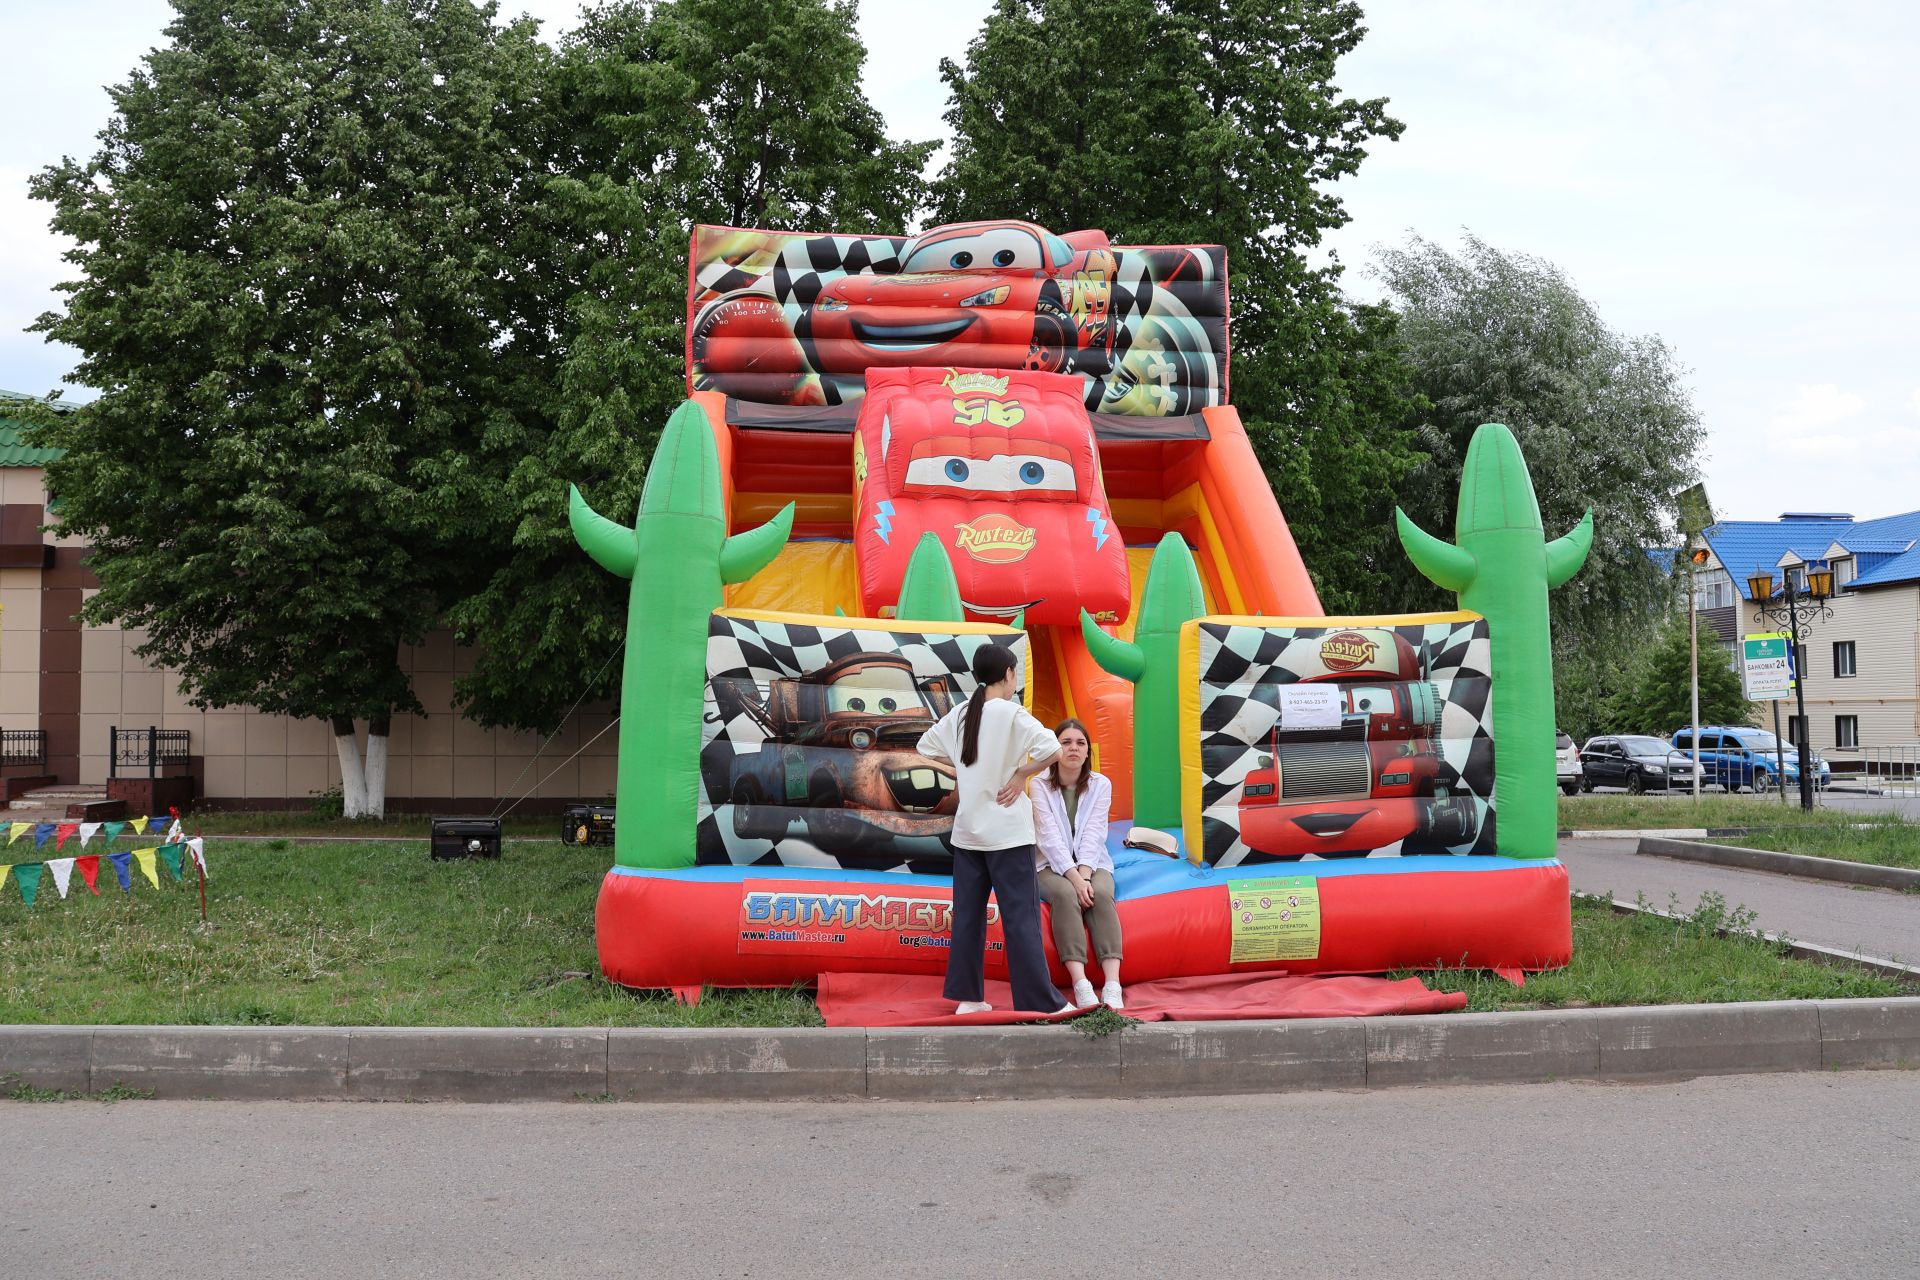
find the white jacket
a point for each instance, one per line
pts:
(1063, 845)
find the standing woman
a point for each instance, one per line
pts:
(995, 748)
(1070, 806)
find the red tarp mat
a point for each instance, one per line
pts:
(914, 1000)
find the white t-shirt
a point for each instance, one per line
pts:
(1009, 738)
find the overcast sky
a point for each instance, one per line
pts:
(1738, 177)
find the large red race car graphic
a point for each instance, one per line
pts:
(1003, 469)
(800, 320)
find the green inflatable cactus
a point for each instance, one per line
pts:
(929, 592)
(1170, 599)
(1501, 566)
(679, 559)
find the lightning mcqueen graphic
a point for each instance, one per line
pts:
(1002, 468)
(998, 295)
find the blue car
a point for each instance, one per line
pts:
(1737, 756)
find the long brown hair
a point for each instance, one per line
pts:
(991, 662)
(1053, 770)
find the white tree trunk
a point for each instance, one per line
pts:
(374, 802)
(353, 780)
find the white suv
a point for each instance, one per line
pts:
(1567, 764)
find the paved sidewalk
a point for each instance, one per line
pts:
(1874, 922)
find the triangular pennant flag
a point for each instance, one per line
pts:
(145, 858)
(199, 847)
(139, 826)
(42, 832)
(28, 874)
(122, 867)
(113, 831)
(171, 855)
(62, 869)
(88, 830)
(60, 834)
(4, 868)
(176, 832)
(18, 829)
(90, 871)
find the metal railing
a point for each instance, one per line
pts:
(23, 746)
(150, 749)
(1894, 769)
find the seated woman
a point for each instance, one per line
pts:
(1070, 805)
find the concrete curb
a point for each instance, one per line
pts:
(1786, 864)
(498, 1064)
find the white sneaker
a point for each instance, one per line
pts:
(1110, 996)
(972, 1006)
(1083, 994)
(1065, 1008)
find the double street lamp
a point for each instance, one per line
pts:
(1795, 611)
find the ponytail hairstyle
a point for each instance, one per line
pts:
(1053, 770)
(991, 662)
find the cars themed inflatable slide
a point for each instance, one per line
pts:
(896, 450)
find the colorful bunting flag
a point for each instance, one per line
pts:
(60, 834)
(4, 868)
(145, 857)
(139, 826)
(17, 830)
(87, 832)
(62, 869)
(171, 855)
(42, 832)
(28, 874)
(199, 847)
(90, 871)
(176, 832)
(113, 830)
(123, 867)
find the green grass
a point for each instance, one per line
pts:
(396, 826)
(1883, 839)
(343, 935)
(1714, 809)
(1848, 834)
(378, 934)
(14, 1089)
(1641, 959)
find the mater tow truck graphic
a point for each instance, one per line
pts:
(1375, 780)
(839, 755)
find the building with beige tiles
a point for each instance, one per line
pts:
(1860, 666)
(77, 684)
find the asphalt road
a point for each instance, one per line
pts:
(1750, 1176)
(1881, 923)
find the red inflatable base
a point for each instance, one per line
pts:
(688, 928)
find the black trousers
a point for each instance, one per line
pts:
(1009, 875)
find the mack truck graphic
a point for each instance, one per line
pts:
(839, 755)
(1376, 780)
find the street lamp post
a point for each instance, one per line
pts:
(1795, 612)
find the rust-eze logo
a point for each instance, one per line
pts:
(994, 538)
(975, 383)
(1348, 651)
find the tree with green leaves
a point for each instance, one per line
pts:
(1203, 121)
(300, 255)
(1658, 694)
(735, 112)
(1605, 420)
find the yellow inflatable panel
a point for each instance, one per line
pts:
(806, 577)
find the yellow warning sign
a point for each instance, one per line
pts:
(1276, 919)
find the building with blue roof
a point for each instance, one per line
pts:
(1861, 666)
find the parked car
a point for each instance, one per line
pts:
(1638, 762)
(1567, 763)
(1737, 756)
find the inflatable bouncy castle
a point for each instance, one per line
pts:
(896, 450)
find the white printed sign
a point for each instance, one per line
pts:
(1309, 706)
(1766, 666)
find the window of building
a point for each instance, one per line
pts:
(1796, 730)
(1843, 572)
(1846, 733)
(1842, 659)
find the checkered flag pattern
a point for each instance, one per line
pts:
(775, 792)
(1322, 799)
